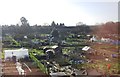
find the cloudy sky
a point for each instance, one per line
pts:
(61, 11)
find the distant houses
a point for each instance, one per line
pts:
(103, 40)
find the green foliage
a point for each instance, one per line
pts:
(39, 52)
(39, 64)
(62, 61)
(66, 50)
(79, 66)
(16, 43)
(13, 41)
(2, 57)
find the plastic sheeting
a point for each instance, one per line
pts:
(86, 48)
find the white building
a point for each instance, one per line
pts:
(19, 53)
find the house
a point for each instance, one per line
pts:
(18, 53)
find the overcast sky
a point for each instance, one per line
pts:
(61, 11)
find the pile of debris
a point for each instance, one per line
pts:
(19, 68)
